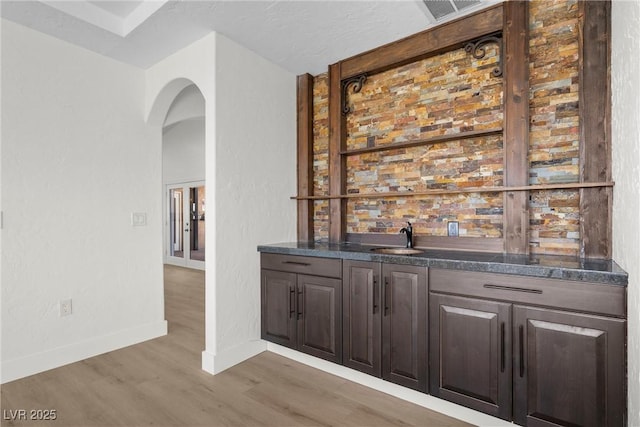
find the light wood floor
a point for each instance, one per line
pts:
(160, 383)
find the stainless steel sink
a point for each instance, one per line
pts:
(397, 251)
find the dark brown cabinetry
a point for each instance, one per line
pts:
(385, 321)
(569, 369)
(302, 311)
(562, 368)
(279, 317)
(362, 327)
(470, 353)
(404, 325)
(537, 351)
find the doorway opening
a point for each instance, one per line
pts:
(186, 225)
(183, 174)
(179, 111)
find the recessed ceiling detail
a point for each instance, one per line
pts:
(442, 8)
(117, 7)
(117, 17)
(302, 36)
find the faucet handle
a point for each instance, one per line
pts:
(408, 230)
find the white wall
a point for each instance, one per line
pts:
(183, 151)
(77, 160)
(194, 64)
(250, 174)
(255, 176)
(187, 105)
(625, 76)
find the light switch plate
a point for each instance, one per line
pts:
(452, 229)
(138, 219)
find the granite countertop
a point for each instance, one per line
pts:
(547, 266)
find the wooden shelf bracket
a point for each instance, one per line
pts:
(478, 49)
(357, 82)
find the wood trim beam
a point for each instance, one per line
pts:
(423, 44)
(337, 162)
(436, 191)
(305, 156)
(516, 125)
(595, 127)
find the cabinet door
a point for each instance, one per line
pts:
(404, 325)
(470, 353)
(362, 328)
(319, 313)
(278, 323)
(568, 369)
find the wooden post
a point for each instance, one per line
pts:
(337, 162)
(305, 156)
(595, 128)
(516, 125)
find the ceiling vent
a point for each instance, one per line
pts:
(441, 9)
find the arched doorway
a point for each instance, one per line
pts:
(183, 171)
(177, 114)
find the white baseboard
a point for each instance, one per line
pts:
(35, 363)
(442, 406)
(218, 362)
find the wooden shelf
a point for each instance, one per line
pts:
(500, 189)
(428, 141)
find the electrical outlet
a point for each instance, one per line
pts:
(65, 307)
(452, 229)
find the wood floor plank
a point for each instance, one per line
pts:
(161, 383)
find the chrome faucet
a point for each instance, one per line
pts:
(409, 232)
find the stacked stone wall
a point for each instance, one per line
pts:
(321, 155)
(554, 138)
(453, 93)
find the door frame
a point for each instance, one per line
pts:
(184, 261)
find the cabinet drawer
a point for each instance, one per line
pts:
(328, 267)
(563, 294)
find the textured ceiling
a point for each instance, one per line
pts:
(301, 36)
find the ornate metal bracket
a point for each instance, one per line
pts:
(478, 49)
(357, 82)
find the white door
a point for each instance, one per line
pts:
(185, 225)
